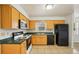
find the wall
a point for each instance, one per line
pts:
(76, 20)
(5, 33)
(69, 20)
(47, 18)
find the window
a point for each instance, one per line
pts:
(40, 25)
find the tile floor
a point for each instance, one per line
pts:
(51, 49)
(76, 48)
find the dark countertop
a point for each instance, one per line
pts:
(41, 33)
(11, 41)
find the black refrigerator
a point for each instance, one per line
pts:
(62, 34)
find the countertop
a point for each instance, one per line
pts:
(10, 40)
(40, 33)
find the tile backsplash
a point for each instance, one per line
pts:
(8, 32)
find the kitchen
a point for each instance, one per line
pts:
(21, 34)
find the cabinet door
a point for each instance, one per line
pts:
(0, 16)
(32, 24)
(38, 39)
(6, 16)
(10, 48)
(21, 16)
(33, 39)
(59, 22)
(42, 40)
(15, 18)
(23, 48)
(0, 48)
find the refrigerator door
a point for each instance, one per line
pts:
(61, 31)
(63, 38)
(62, 27)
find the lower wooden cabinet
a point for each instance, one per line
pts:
(39, 39)
(14, 48)
(0, 48)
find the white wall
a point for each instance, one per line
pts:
(5, 33)
(69, 20)
(47, 18)
(76, 20)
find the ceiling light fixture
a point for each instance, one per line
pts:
(49, 6)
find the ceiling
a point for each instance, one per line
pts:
(39, 10)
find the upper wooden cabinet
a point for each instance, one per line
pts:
(15, 18)
(22, 17)
(49, 23)
(0, 16)
(10, 17)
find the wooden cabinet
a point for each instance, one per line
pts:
(22, 17)
(39, 39)
(15, 18)
(14, 48)
(49, 23)
(32, 24)
(0, 16)
(10, 17)
(6, 16)
(0, 48)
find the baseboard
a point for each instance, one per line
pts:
(76, 42)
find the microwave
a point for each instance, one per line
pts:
(22, 24)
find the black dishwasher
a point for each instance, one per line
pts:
(50, 40)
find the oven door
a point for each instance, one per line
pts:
(28, 42)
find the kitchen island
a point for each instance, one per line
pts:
(11, 46)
